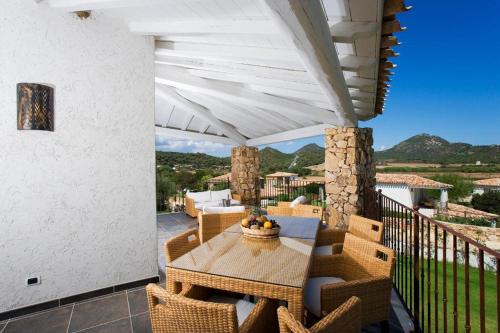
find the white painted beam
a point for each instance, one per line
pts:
(348, 32)
(75, 5)
(304, 23)
(239, 94)
(173, 97)
(188, 135)
(361, 83)
(204, 27)
(300, 133)
(355, 64)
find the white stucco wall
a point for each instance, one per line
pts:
(400, 193)
(77, 205)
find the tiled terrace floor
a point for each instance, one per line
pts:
(122, 312)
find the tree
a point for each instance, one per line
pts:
(488, 202)
(462, 187)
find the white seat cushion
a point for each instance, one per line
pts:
(312, 293)
(325, 250)
(243, 307)
(202, 205)
(235, 202)
(222, 210)
(199, 196)
(219, 195)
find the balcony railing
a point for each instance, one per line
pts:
(447, 281)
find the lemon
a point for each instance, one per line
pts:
(268, 225)
(244, 222)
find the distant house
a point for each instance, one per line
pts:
(281, 178)
(410, 189)
(485, 185)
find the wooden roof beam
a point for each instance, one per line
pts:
(392, 26)
(392, 7)
(239, 94)
(172, 96)
(304, 23)
(348, 32)
(204, 27)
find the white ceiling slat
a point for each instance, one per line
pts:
(204, 27)
(196, 110)
(316, 49)
(76, 5)
(361, 83)
(238, 94)
(299, 133)
(298, 76)
(187, 135)
(239, 54)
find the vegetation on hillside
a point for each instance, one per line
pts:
(434, 149)
(197, 160)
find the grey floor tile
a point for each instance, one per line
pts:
(141, 323)
(119, 326)
(99, 311)
(137, 301)
(2, 325)
(53, 321)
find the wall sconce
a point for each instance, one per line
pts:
(35, 107)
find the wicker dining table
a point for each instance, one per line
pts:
(274, 268)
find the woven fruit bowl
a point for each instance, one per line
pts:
(259, 227)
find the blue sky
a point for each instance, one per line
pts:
(447, 82)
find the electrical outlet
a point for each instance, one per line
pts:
(33, 280)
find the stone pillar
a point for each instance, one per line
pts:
(349, 168)
(245, 168)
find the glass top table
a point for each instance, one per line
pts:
(274, 268)
(291, 226)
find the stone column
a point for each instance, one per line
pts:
(349, 168)
(245, 168)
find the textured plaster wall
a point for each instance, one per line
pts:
(77, 205)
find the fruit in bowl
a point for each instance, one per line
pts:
(259, 227)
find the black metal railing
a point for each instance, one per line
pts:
(446, 280)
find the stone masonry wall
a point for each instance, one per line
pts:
(245, 168)
(349, 168)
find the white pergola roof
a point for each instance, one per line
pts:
(261, 71)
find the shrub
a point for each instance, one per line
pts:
(488, 202)
(461, 187)
(464, 220)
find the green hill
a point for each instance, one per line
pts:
(434, 149)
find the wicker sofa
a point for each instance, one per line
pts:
(195, 201)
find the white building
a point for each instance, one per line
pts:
(410, 189)
(485, 185)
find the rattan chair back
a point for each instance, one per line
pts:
(181, 244)
(345, 319)
(366, 228)
(210, 225)
(308, 211)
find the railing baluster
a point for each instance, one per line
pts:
(428, 258)
(455, 290)
(482, 318)
(445, 278)
(436, 286)
(498, 294)
(416, 299)
(422, 275)
(467, 296)
(411, 261)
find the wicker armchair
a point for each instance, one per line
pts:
(345, 319)
(283, 209)
(330, 240)
(181, 244)
(190, 313)
(364, 269)
(210, 225)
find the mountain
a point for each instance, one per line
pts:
(434, 149)
(271, 159)
(197, 160)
